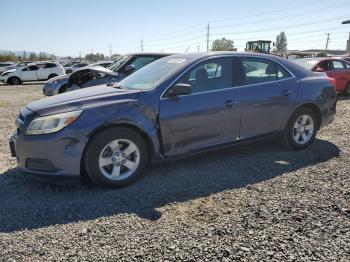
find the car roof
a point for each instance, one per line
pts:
(150, 54)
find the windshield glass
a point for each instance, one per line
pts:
(152, 75)
(307, 63)
(117, 64)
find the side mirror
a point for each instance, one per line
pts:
(129, 68)
(319, 69)
(178, 90)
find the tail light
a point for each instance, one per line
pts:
(334, 82)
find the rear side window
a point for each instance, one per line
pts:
(337, 65)
(50, 65)
(260, 70)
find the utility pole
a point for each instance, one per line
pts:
(325, 50)
(208, 28)
(110, 51)
(141, 45)
(80, 56)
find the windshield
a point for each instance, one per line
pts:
(307, 63)
(152, 75)
(117, 64)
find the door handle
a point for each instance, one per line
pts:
(286, 92)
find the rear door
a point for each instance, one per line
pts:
(29, 73)
(209, 116)
(267, 90)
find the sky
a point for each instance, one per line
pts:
(68, 27)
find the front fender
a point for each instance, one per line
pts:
(131, 114)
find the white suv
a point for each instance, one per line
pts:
(32, 72)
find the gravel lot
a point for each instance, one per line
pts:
(252, 202)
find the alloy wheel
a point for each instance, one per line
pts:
(303, 129)
(119, 159)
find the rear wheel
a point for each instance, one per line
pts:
(347, 89)
(14, 81)
(301, 129)
(116, 157)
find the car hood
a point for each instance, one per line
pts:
(10, 71)
(75, 76)
(60, 77)
(102, 95)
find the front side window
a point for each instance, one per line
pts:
(260, 70)
(210, 75)
(325, 65)
(31, 68)
(337, 65)
(50, 65)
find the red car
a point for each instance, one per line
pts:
(338, 69)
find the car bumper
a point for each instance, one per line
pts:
(49, 90)
(3, 79)
(54, 155)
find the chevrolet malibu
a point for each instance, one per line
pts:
(178, 105)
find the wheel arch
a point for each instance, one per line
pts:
(314, 108)
(149, 141)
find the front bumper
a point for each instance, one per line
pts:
(50, 89)
(57, 154)
(3, 79)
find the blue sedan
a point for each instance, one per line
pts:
(178, 105)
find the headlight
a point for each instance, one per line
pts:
(53, 123)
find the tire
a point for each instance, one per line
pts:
(295, 136)
(347, 89)
(68, 71)
(62, 89)
(14, 81)
(52, 75)
(106, 159)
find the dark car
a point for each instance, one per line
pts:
(177, 105)
(338, 69)
(97, 75)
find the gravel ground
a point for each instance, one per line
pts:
(251, 202)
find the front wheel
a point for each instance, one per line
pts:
(301, 129)
(14, 81)
(116, 157)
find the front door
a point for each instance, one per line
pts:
(29, 73)
(209, 116)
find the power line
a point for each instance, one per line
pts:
(270, 12)
(281, 28)
(307, 13)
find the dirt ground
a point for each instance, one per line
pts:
(251, 202)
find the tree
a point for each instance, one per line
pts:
(94, 57)
(321, 54)
(281, 43)
(223, 44)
